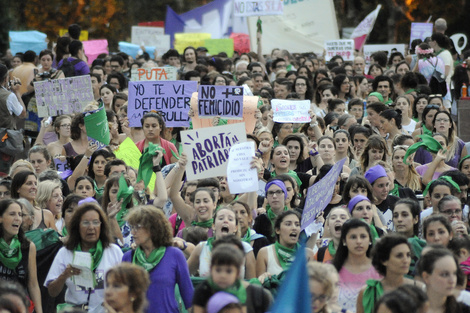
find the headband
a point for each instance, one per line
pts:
(447, 179)
(374, 173)
(378, 95)
(418, 50)
(352, 203)
(463, 159)
(278, 183)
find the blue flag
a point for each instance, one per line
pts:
(294, 294)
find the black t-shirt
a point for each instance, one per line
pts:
(258, 299)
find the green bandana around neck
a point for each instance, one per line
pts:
(125, 192)
(331, 248)
(99, 191)
(247, 237)
(292, 174)
(65, 232)
(10, 254)
(427, 142)
(285, 255)
(237, 289)
(426, 131)
(148, 263)
(210, 241)
(394, 191)
(372, 294)
(96, 253)
(204, 224)
(271, 215)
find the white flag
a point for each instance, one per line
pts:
(364, 28)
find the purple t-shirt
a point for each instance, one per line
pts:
(171, 270)
(81, 68)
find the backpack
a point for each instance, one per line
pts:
(437, 83)
(68, 68)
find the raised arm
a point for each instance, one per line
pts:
(184, 210)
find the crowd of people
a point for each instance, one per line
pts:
(393, 238)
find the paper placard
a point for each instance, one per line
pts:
(170, 98)
(320, 194)
(241, 177)
(291, 111)
(22, 41)
(83, 261)
(155, 73)
(62, 168)
(420, 31)
(63, 96)
(258, 7)
(146, 36)
(183, 40)
(93, 48)
(343, 48)
(83, 34)
(215, 46)
(241, 42)
(369, 49)
(223, 101)
(208, 149)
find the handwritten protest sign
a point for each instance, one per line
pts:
(63, 96)
(240, 176)
(170, 98)
(146, 36)
(62, 168)
(320, 194)
(183, 40)
(215, 46)
(155, 73)
(344, 48)
(420, 31)
(208, 149)
(389, 48)
(249, 111)
(258, 7)
(291, 111)
(223, 101)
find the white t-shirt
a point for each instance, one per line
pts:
(410, 128)
(78, 295)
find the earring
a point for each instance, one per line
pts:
(132, 299)
(370, 243)
(344, 244)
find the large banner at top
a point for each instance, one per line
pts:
(258, 8)
(304, 27)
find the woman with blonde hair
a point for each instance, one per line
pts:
(49, 197)
(405, 174)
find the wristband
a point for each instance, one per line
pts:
(87, 157)
(157, 168)
(313, 153)
(259, 153)
(184, 246)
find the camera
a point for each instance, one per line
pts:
(13, 83)
(47, 75)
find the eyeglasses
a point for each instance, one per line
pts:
(135, 227)
(444, 120)
(321, 298)
(5, 194)
(277, 193)
(94, 223)
(66, 125)
(452, 212)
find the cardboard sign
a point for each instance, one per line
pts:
(249, 111)
(83, 34)
(420, 31)
(258, 8)
(241, 177)
(63, 96)
(93, 48)
(170, 98)
(146, 36)
(215, 46)
(320, 194)
(155, 73)
(23, 41)
(344, 48)
(291, 111)
(223, 101)
(208, 149)
(183, 40)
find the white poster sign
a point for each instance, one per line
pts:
(241, 177)
(258, 7)
(343, 48)
(291, 111)
(146, 36)
(155, 73)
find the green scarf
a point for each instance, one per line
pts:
(427, 142)
(271, 215)
(372, 293)
(96, 254)
(247, 237)
(331, 248)
(410, 91)
(146, 162)
(394, 191)
(65, 232)
(10, 254)
(426, 131)
(210, 241)
(99, 191)
(373, 232)
(285, 255)
(237, 289)
(148, 263)
(292, 174)
(205, 224)
(125, 192)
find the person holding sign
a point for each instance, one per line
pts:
(88, 242)
(154, 127)
(276, 258)
(17, 253)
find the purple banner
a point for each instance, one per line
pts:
(223, 101)
(317, 199)
(170, 98)
(62, 168)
